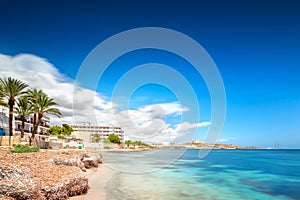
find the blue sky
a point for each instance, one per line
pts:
(255, 45)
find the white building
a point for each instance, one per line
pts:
(43, 126)
(86, 131)
(3, 121)
(28, 129)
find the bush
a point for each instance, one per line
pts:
(61, 131)
(96, 138)
(24, 149)
(114, 139)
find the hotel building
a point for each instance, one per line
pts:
(87, 131)
(28, 129)
(43, 126)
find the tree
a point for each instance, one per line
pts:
(23, 110)
(61, 131)
(41, 104)
(55, 130)
(2, 102)
(33, 95)
(128, 142)
(67, 129)
(96, 138)
(11, 89)
(137, 143)
(114, 139)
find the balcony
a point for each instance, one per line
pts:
(18, 118)
(44, 124)
(25, 130)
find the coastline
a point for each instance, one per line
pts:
(98, 179)
(94, 181)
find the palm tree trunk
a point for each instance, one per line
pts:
(34, 124)
(35, 127)
(11, 115)
(22, 127)
(38, 120)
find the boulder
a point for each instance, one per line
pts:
(69, 162)
(94, 155)
(90, 162)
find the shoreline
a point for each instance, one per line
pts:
(60, 166)
(98, 180)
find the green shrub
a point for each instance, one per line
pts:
(114, 139)
(60, 131)
(24, 149)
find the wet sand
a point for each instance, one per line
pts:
(98, 179)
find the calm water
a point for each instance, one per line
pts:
(223, 174)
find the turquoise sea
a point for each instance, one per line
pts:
(221, 175)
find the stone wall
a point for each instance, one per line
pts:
(4, 140)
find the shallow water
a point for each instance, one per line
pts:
(221, 175)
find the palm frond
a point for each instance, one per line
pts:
(12, 88)
(42, 103)
(24, 107)
(53, 111)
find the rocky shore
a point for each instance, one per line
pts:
(45, 175)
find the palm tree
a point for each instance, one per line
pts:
(24, 109)
(2, 103)
(41, 104)
(11, 89)
(128, 142)
(33, 96)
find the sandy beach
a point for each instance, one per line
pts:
(98, 179)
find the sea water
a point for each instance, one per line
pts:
(221, 175)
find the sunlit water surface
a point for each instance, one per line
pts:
(222, 174)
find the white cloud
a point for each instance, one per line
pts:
(39, 73)
(162, 109)
(226, 139)
(145, 123)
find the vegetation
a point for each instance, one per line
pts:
(32, 95)
(96, 138)
(128, 142)
(61, 131)
(11, 89)
(2, 102)
(23, 110)
(114, 139)
(135, 143)
(24, 149)
(107, 141)
(32, 101)
(41, 104)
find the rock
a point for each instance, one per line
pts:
(96, 156)
(90, 162)
(42, 175)
(82, 166)
(67, 162)
(17, 184)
